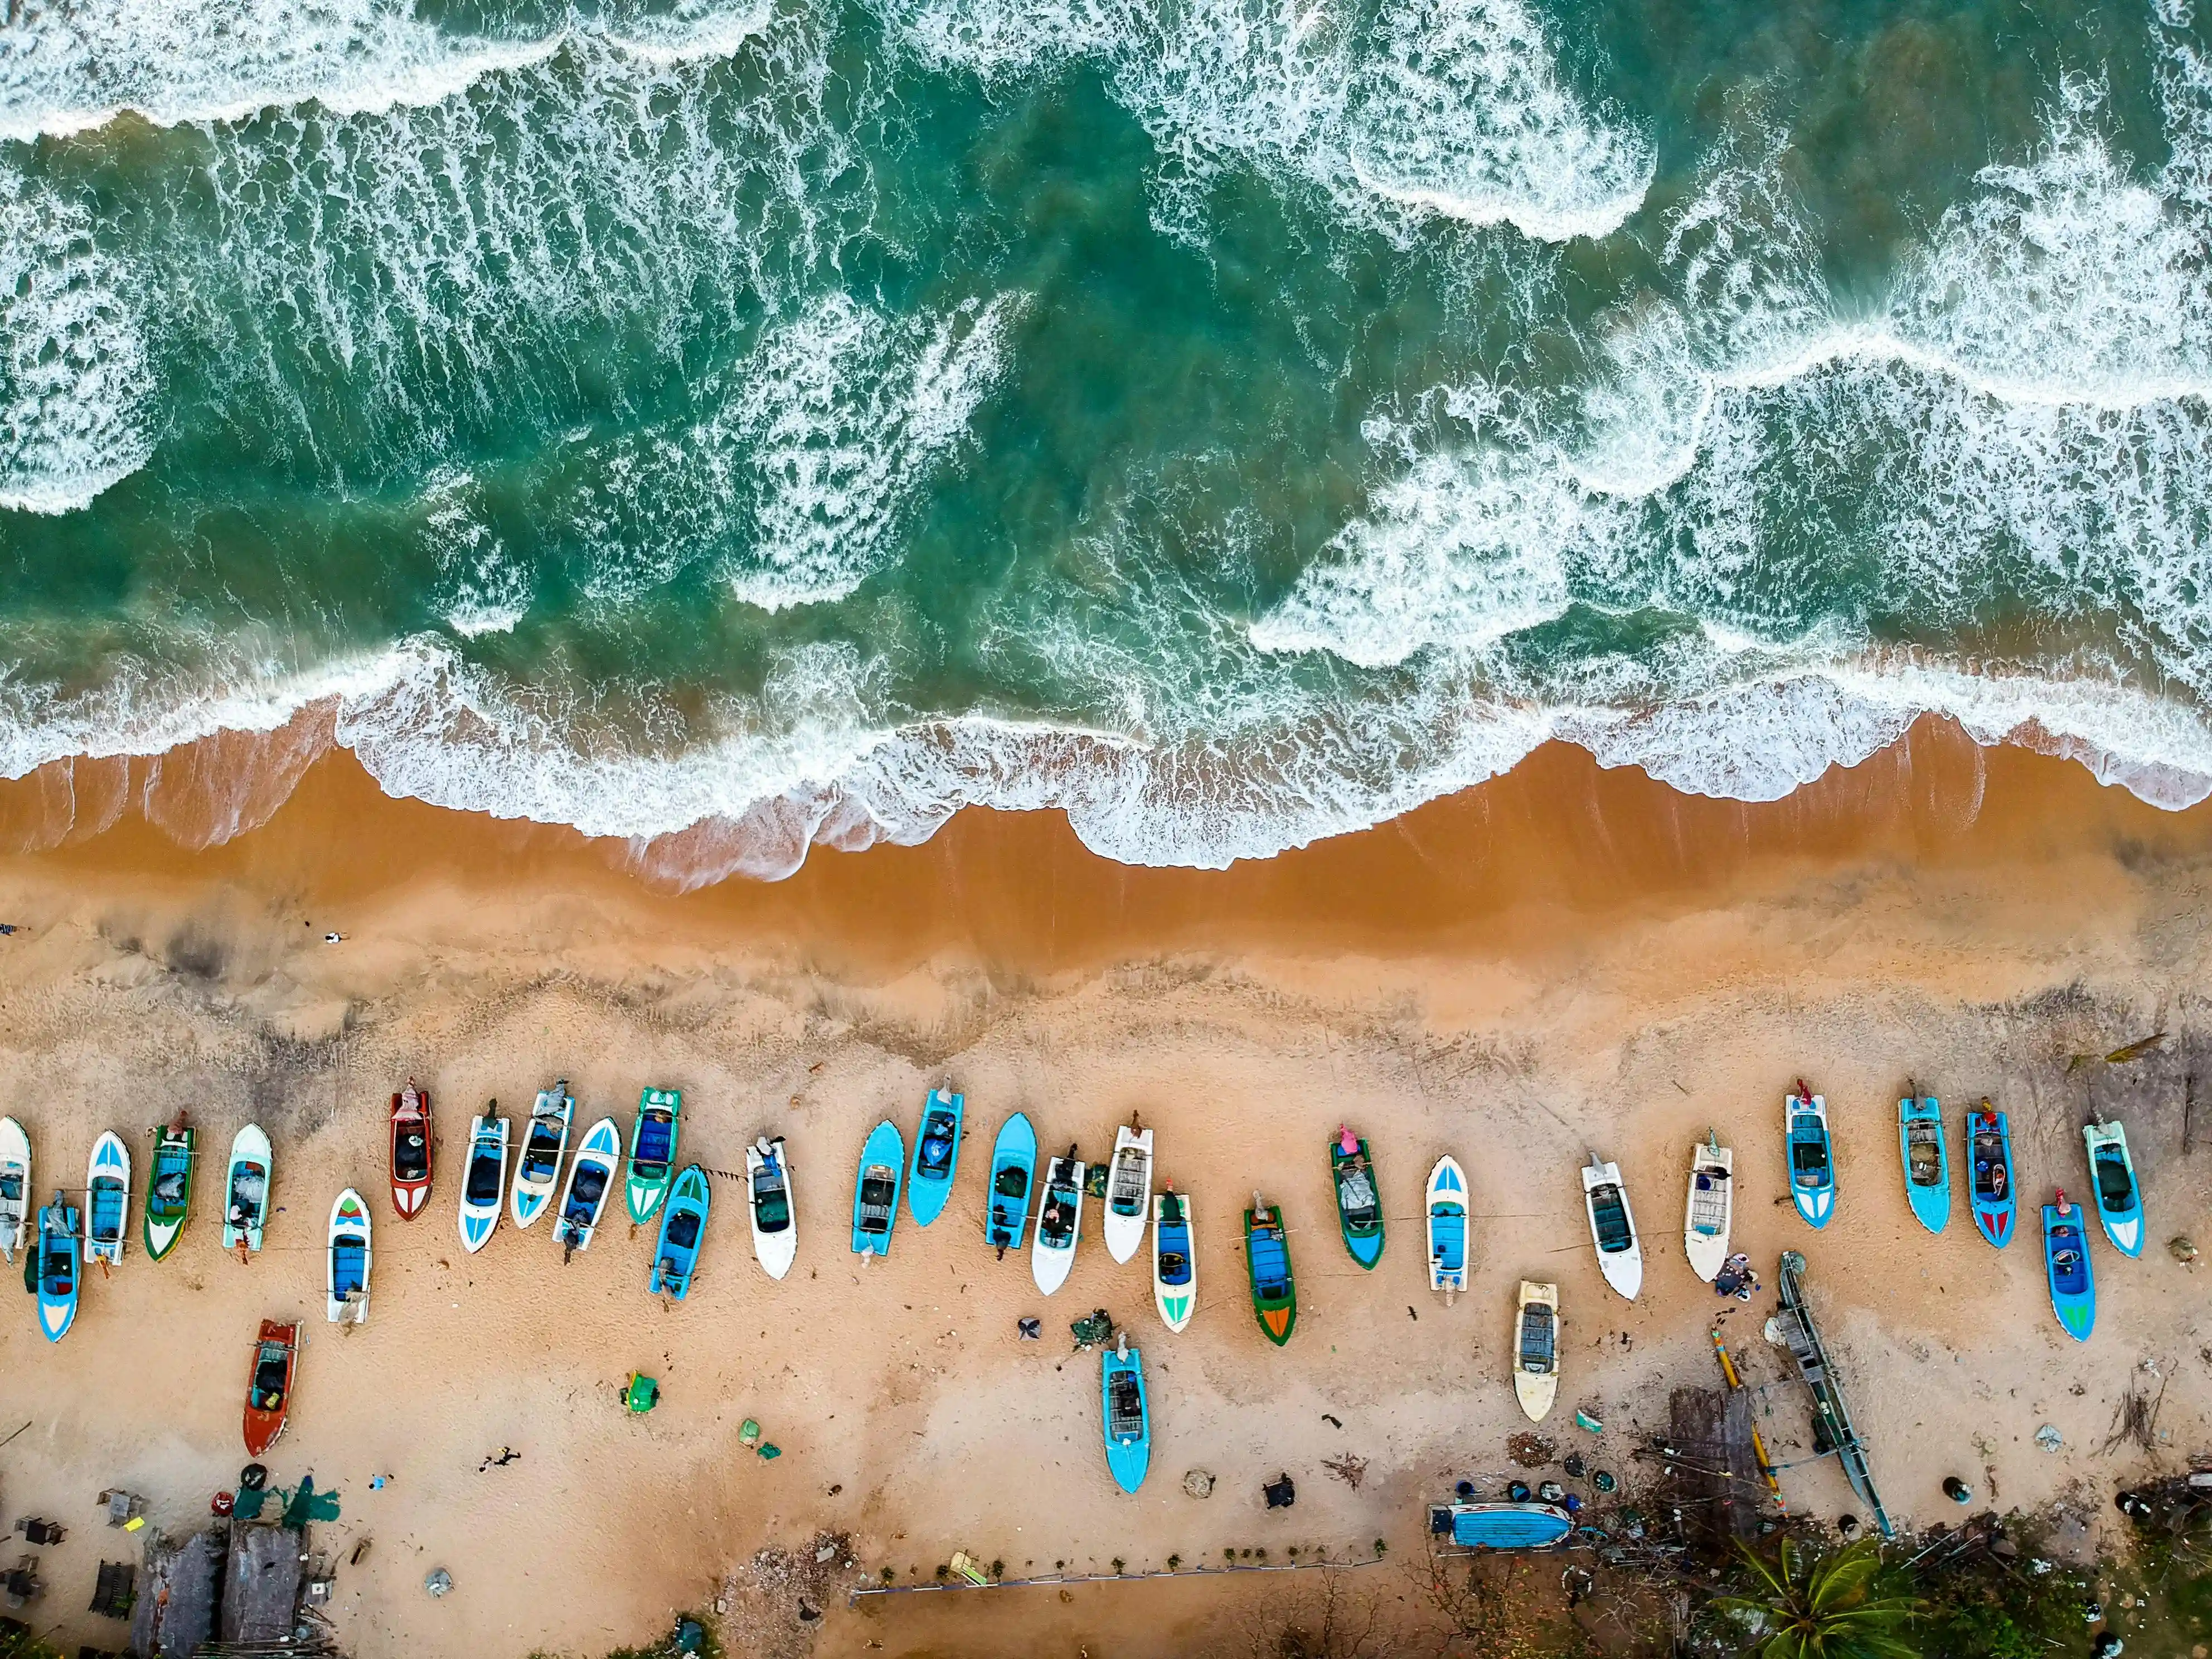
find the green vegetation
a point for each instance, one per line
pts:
(1801, 1606)
(17, 1640)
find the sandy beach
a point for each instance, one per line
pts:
(1564, 960)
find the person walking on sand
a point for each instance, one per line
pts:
(500, 1459)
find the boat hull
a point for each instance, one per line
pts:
(1268, 1265)
(107, 1200)
(411, 1124)
(484, 1181)
(1708, 1214)
(60, 1268)
(644, 1186)
(537, 1178)
(683, 1234)
(1006, 1218)
(2110, 1166)
(1363, 1236)
(1811, 1154)
(1050, 1262)
(1927, 1159)
(1178, 1297)
(1620, 1259)
(276, 1358)
(346, 1261)
(1128, 1182)
(1990, 1189)
(243, 1217)
(1536, 1349)
(1129, 1449)
(18, 1221)
(171, 1169)
(2070, 1272)
(884, 1154)
(1502, 1526)
(929, 1186)
(1447, 1219)
(599, 1151)
(774, 1248)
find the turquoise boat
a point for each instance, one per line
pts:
(60, 1266)
(2066, 1265)
(1811, 1157)
(683, 1227)
(876, 1190)
(936, 1156)
(1359, 1207)
(1927, 1160)
(1013, 1169)
(1127, 1413)
(1988, 1177)
(1501, 1526)
(653, 1140)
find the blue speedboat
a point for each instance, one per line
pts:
(2066, 1263)
(1014, 1166)
(60, 1264)
(936, 1156)
(1128, 1419)
(683, 1224)
(1501, 1526)
(1927, 1159)
(876, 1190)
(1448, 1228)
(1812, 1157)
(1989, 1181)
(2113, 1176)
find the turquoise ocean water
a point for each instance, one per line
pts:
(1235, 421)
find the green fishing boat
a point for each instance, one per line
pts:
(168, 1188)
(653, 1150)
(1358, 1205)
(1267, 1258)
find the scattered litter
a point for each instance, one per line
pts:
(1030, 1327)
(970, 1569)
(1336, 1421)
(1282, 1492)
(1573, 1464)
(1090, 1332)
(641, 1393)
(2182, 1250)
(1551, 1492)
(1604, 1481)
(2049, 1438)
(439, 1581)
(1347, 1469)
(1197, 1483)
(1584, 1420)
(748, 1433)
(1518, 1490)
(1531, 1451)
(360, 1554)
(769, 1451)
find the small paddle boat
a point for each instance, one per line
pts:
(1710, 1215)
(537, 1173)
(347, 1279)
(1128, 1423)
(1268, 1261)
(767, 1195)
(16, 1218)
(246, 1191)
(107, 1200)
(1059, 1222)
(1612, 1227)
(876, 1190)
(1013, 1167)
(1359, 1207)
(1447, 1208)
(1174, 1258)
(2113, 1177)
(653, 1150)
(1989, 1188)
(1502, 1526)
(1812, 1157)
(1536, 1349)
(1129, 1191)
(483, 1180)
(2066, 1265)
(1927, 1159)
(410, 1151)
(591, 1178)
(268, 1385)
(168, 1188)
(683, 1224)
(59, 1264)
(936, 1156)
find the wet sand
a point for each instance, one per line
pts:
(1566, 959)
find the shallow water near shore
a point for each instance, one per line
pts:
(1230, 423)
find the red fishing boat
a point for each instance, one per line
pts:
(269, 1389)
(410, 1150)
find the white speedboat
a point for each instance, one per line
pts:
(538, 1173)
(1129, 1192)
(768, 1191)
(591, 1178)
(1711, 1212)
(1536, 1349)
(1060, 1218)
(15, 1187)
(1612, 1227)
(483, 1180)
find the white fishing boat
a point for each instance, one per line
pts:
(591, 1178)
(107, 1200)
(15, 1187)
(1447, 1223)
(537, 1172)
(484, 1181)
(1174, 1258)
(1712, 1210)
(1060, 1220)
(1129, 1192)
(1612, 1227)
(1536, 1349)
(346, 1261)
(246, 1191)
(767, 1189)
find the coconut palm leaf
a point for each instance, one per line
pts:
(1823, 1607)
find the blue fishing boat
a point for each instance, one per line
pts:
(1501, 1526)
(1448, 1228)
(683, 1224)
(876, 1189)
(2066, 1264)
(1014, 1166)
(1128, 1418)
(1812, 1156)
(936, 1156)
(60, 1268)
(1989, 1185)
(2113, 1175)
(107, 1200)
(1927, 1159)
